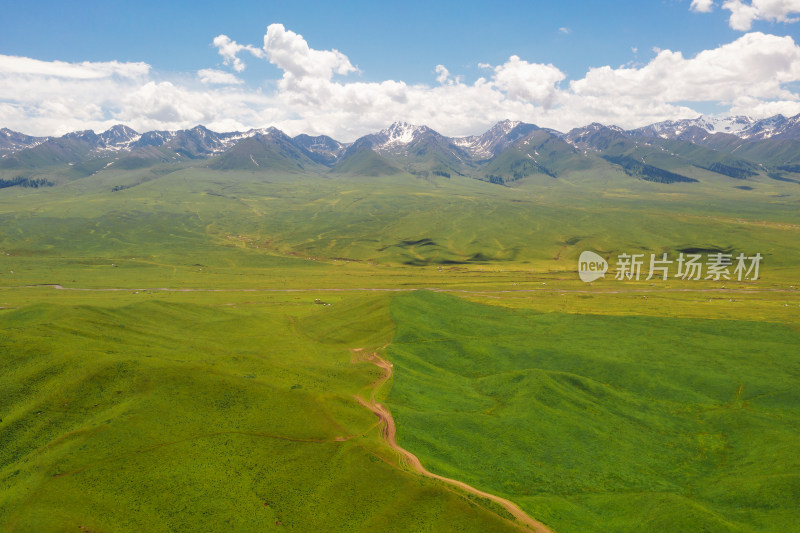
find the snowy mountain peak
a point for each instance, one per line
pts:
(257, 131)
(506, 125)
(200, 130)
(120, 130)
(272, 130)
(496, 139)
(402, 133)
(155, 138)
(118, 137)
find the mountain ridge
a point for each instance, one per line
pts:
(736, 147)
(400, 134)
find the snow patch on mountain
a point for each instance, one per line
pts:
(488, 144)
(741, 126)
(733, 125)
(12, 141)
(399, 135)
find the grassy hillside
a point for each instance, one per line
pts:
(597, 423)
(363, 161)
(164, 414)
(264, 153)
(541, 153)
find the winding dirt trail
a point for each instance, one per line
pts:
(408, 459)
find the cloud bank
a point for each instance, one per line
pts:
(744, 13)
(317, 93)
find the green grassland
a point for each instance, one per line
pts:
(237, 223)
(195, 372)
(167, 414)
(585, 419)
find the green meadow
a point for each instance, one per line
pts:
(598, 423)
(177, 354)
(172, 414)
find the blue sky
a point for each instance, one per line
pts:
(397, 42)
(403, 40)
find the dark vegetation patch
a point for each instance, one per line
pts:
(736, 172)
(420, 242)
(411, 243)
(704, 250)
(28, 183)
(521, 169)
(632, 167)
(780, 177)
(427, 262)
(479, 257)
(475, 258)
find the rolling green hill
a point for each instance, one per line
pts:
(112, 419)
(597, 423)
(271, 152)
(362, 161)
(540, 152)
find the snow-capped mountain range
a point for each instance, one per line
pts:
(740, 126)
(730, 146)
(123, 138)
(397, 137)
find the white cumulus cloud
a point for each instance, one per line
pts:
(218, 77)
(755, 65)
(302, 66)
(702, 6)
(442, 74)
(744, 13)
(229, 50)
(22, 66)
(530, 82)
(756, 75)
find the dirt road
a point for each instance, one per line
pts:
(410, 460)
